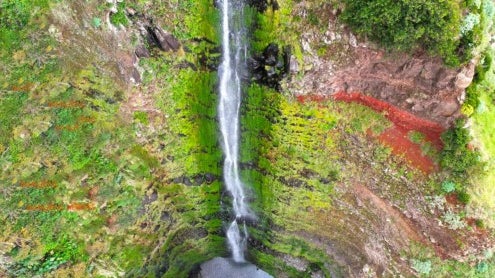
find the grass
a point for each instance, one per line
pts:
(483, 189)
(119, 18)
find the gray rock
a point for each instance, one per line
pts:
(464, 77)
(226, 268)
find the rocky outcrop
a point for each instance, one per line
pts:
(419, 84)
(159, 37)
(153, 34)
(271, 66)
(262, 5)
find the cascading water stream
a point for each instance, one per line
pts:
(230, 71)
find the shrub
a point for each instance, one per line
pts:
(456, 156)
(407, 24)
(469, 22)
(467, 109)
(481, 267)
(96, 22)
(14, 14)
(472, 97)
(119, 17)
(480, 223)
(141, 116)
(463, 197)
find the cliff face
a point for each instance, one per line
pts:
(381, 207)
(116, 105)
(419, 84)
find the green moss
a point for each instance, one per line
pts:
(119, 18)
(142, 117)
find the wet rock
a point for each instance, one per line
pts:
(271, 66)
(270, 54)
(226, 268)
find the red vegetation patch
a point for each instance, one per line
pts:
(402, 119)
(397, 136)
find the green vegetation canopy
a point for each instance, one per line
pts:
(406, 24)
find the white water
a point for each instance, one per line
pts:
(233, 64)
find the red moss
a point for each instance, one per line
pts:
(397, 136)
(402, 119)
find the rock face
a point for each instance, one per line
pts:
(419, 84)
(153, 34)
(164, 40)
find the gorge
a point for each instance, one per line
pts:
(319, 138)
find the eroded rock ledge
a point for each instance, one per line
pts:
(418, 84)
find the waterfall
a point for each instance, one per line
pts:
(230, 72)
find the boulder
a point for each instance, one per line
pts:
(447, 108)
(164, 40)
(465, 77)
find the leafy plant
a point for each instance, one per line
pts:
(456, 156)
(467, 110)
(469, 22)
(463, 197)
(119, 17)
(422, 267)
(454, 221)
(448, 186)
(481, 267)
(96, 22)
